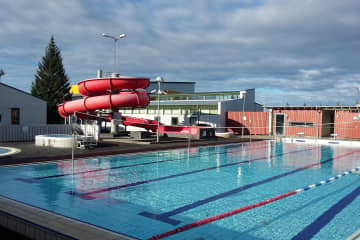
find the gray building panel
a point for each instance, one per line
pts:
(32, 110)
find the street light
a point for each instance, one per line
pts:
(243, 96)
(158, 91)
(115, 40)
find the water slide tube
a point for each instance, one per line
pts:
(111, 93)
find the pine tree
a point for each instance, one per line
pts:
(51, 82)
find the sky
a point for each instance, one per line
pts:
(292, 52)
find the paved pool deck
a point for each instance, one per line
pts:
(108, 146)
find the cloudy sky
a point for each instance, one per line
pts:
(293, 52)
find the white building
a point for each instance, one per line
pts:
(208, 108)
(20, 108)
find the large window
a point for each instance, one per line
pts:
(301, 124)
(15, 116)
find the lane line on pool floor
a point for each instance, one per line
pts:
(89, 195)
(312, 229)
(333, 211)
(34, 179)
(165, 217)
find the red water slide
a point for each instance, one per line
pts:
(114, 93)
(111, 93)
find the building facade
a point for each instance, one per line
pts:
(303, 121)
(202, 109)
(20, 108)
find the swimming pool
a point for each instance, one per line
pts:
(141, 195)
(6, 151)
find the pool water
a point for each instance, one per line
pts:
(4, 150)
(145, 194)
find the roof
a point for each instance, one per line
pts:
(174, 82)
(199, 94)
(313, 107)
(16, 89)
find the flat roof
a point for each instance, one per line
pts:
(197, 94)
(174, 82)
(313, 107)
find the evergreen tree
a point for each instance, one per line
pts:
(51, 82)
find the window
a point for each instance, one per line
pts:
(15, 116)
(174, 121)
(301, 124)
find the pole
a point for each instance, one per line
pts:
(72, 162)
(159, 80)
(243, 109)
(115, 40)
(158, 113)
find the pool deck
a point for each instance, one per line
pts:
(32, 154)
(36, 223)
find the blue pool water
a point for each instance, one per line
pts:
(141, 195)
(3, 150)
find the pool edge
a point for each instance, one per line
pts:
(36, 223)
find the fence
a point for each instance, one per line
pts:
(254, 123)
(13, 133)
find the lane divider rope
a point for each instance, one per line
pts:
(251, 206)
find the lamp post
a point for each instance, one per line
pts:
(159, 80)
(243, 96)
(115, 40)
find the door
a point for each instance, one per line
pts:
(280, 124)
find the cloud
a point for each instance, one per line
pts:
(302, 50)
(314, 73)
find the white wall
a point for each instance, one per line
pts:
(32, 109)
